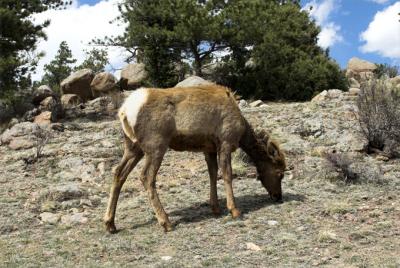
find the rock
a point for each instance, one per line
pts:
(75, 167)
(30, 115)
(18, 130)
(99, 105)
(256, 103)
(13, 122)
(103, 83)
(253, 247)
(74, 219)
(42, 93)
(193, 81)
(360, 70)
(359, 65)
(43, 119)
(132, 76)
(243, 104)
(65, 192)
(51, 218)
(78, 83)
(328, 95)
(354, 83)
(21, 143)
(70, 100)
(354, 91)
(272, 223)
(166, 258)
(48, 104)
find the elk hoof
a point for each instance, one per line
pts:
(235, 213)
(167, 227)
(216, 211)
(110, 227)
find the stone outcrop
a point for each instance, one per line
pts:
(103, 83)
(70, 100)
(193, 81)
(79, 83)
(360, 70)
(42, 93)
(132, 76)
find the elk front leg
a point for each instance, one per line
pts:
(212, 164)
(149, 174)
(132, 156)
(225, 163)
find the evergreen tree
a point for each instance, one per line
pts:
(272, 44)
(59, 68)
(96, 60)
(18, 39)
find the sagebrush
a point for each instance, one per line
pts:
(379, 116)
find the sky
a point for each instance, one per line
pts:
(368, 29)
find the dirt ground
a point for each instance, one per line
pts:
(322, 221)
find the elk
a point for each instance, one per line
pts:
(201, 119)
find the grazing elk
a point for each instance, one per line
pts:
(201, 119)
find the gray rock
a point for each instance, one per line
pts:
(65, 192)
(193, 81)
(42, 93)
(359, 65)
(51, 218)
(354, 91)
(243, 104)
(78, 83)
(18, 130)
(21, 143)
(132, 76)
(74, 219)
(70, 100)
(103, 83)
(256, 103)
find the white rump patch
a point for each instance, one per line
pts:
(132, 105)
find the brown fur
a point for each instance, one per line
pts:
(202, 119)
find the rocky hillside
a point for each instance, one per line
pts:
(52, 205)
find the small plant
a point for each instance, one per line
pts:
(379, 116)
(42, 136)
(342, 164)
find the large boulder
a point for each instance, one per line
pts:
(79, 83)
(360, 70)
(132, 76)
(103, 83)
(70, 100)
(359, 65)
(193, 81)
(327, 95)
(42, 93)
(18, 130)
(44, 118)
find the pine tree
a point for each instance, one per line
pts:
(59, 68)
(96, 60)
(19, 36)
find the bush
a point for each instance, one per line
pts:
(386, 70)
(342, 165)
(379, 116)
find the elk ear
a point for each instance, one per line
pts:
(273, 150)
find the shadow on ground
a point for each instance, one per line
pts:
(202, 211)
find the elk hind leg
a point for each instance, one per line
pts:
(132, 155)
(212, 164)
